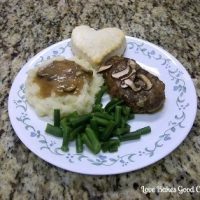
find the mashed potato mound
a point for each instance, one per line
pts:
(81, 103)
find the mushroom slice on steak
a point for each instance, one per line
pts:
(146, 80)
(103, 68)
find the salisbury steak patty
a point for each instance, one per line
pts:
(140, 90)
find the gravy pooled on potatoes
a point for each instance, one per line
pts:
(61, 77)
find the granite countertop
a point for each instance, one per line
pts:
(27, 27)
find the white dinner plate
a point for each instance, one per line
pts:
(169, 126)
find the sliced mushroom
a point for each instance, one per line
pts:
(70, 88)
(123, 85)
(51, 77)
(66, 88)
(132, 85)
(43, 74)
(103, 68)
(121, 73)
(79, 73)
(133, 72)
(132, 64)
(146, 81)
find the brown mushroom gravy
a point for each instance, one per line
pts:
(61, 77)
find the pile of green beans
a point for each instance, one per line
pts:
(102, 129)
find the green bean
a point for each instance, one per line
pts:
(122, 131)
(93, 124)
(76, 131)
(56, 117)
(118, 110)
(72, 115)
(101, 121)
(66, 136)
(64, 121)
(97, 108)
(95, 127)
(131, 116)
(105, 147)
(79, 120)
(101, 129)
(128, 137)
(103, 115)
(142, 131)
(68, 117)
(79, 144)
(87, 142)
(96, 146)
(100, 94)
(113, 148)
(110, 145)
(126, 110)
(127, 113)
(136, 134)
(114, 142)
(54, 130)
(123, 123)
(111, 105)
(108, 132)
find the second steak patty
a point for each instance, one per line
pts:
(140, 90)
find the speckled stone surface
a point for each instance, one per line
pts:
(27, 27)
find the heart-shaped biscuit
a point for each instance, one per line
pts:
(97, 46)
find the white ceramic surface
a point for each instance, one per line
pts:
(169, 126)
